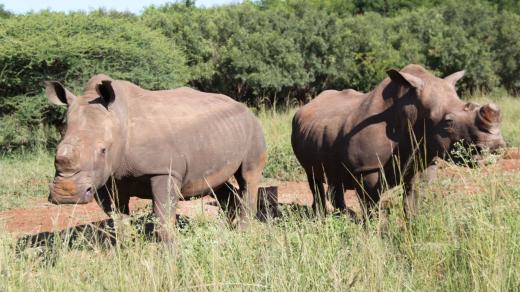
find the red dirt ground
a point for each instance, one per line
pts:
(43, 216)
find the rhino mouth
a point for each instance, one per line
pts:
(83, 197)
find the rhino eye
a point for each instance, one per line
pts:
(450, 123)
(103, 151)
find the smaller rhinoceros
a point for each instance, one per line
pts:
(164, 145)
(365, 141)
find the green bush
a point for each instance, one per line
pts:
(193, 31)
(28, 122)
(295, 49)
(507, 51)
(72, 47)
(237, 50)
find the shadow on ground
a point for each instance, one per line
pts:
(96, 234)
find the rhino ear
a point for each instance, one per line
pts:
(405, 79)
(58, 94)
(453, 78)
(106, 92)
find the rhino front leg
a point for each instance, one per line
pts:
(411, 197)
(166, 191)
(430, 173)
(111, 196)
(368, 192)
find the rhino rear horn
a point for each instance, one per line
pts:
(489, 115)
(453, 78)
(58, 94)
(106, 92)
(405, 79)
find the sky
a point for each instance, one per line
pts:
(135, 6)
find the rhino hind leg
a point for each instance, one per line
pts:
(337, 192)
(248, 178)
(227, 197)
(337, 195)
(319, 203)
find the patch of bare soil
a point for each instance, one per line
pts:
(46, 217)
(512, 153)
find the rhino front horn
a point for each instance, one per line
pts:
(489, 115)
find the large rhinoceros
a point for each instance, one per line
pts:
(164, 145)
(367, 141)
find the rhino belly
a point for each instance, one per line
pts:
(206, 180)
(212, 162)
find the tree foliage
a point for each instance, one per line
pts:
(71, 48)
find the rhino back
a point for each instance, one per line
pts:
(200, 138)
(320, 125)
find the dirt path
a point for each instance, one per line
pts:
(43, 216)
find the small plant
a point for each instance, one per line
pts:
(464, 154)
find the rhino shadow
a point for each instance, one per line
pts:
(98, 234)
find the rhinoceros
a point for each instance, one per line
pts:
(122, 140)
(371, 141)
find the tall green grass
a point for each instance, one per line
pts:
(24, 176)
(459, 242)
(281, 162)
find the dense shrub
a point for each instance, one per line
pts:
(507, 51)
(295, 49)
(192, 30)
(4, 13)
(71, 48)
(28, 123)
(238, 50)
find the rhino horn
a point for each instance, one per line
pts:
(453, 78)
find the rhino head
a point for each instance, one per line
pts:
(449, 120)
(91, 144)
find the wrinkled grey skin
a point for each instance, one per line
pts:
(164, 145)
(370, 141)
